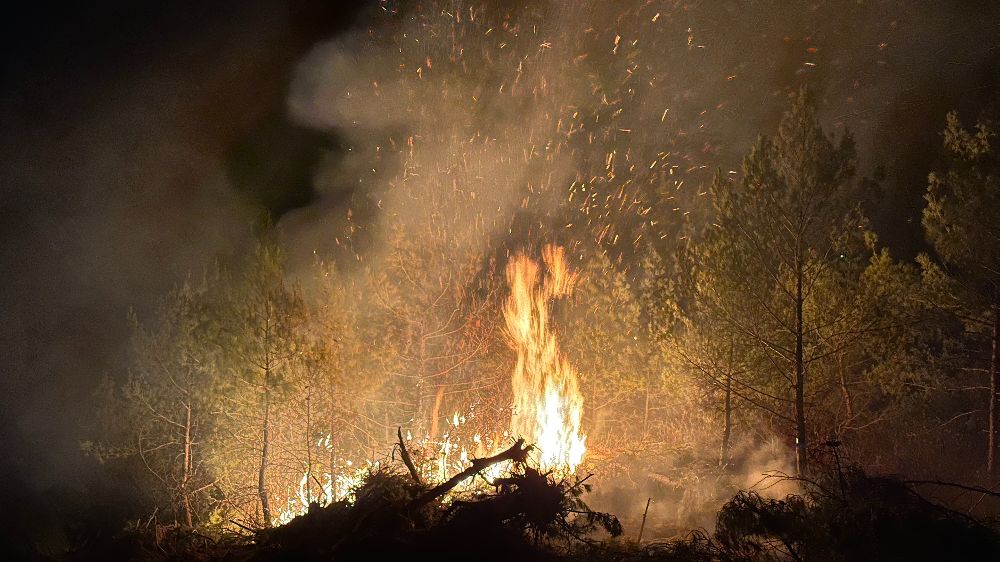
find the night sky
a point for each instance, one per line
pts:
(141, 139)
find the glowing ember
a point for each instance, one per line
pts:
(548, 405)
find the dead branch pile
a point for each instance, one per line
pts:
(526, 514)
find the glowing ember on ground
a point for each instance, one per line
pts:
(548, 404)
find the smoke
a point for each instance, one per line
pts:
(117, 124)
(429, 146)
(496, 123)
(596, 121)
(685, 488)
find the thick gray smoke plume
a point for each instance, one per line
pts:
(622, 108)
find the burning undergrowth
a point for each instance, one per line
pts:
(546, 401)
(841, 514)
(522, 512)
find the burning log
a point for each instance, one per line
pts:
(405, 455)
(517, 453)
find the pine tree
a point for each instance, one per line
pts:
(777, 234)
(262, 321)
(660, 314)
(165, 410)
(962, 224)
(601, 336)
(434, 324)
(350, 383)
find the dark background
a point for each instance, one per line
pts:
(138, 141)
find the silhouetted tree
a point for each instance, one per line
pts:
(167, 404)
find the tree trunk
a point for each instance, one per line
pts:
(991, 445)
(385, 426)
(332, 461)
(436, 410)
(800, 414)
(727, 431)
(186, 477)
(264, 446)
(308, 436)
(845, 392)
(645, 414)
(420, 426)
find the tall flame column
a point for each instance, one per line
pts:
(548, 405)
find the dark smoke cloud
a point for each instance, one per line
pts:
(119, 125)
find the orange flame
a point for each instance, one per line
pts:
(548, 405)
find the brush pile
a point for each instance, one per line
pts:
(524, 514)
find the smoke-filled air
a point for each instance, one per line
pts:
(548, 280)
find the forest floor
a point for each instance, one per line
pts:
(842, 514)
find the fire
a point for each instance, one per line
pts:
(336, 485)
(548, 405)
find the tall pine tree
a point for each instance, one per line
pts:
(962, 224)
(777, 234)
